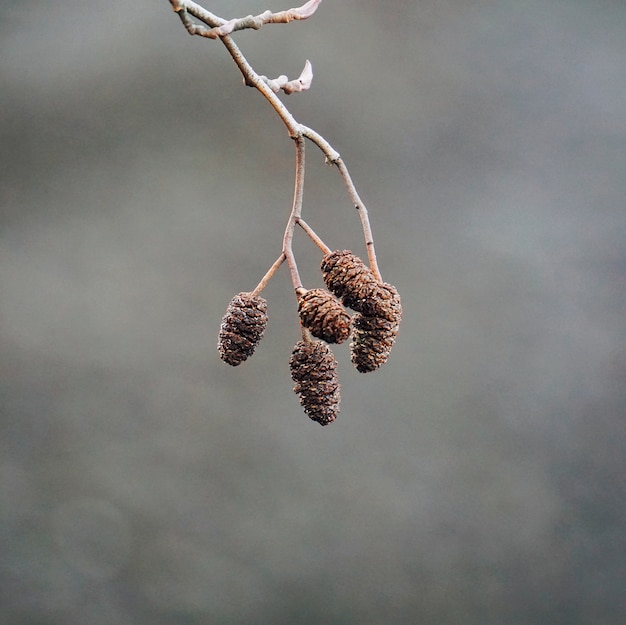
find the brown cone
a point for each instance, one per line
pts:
(345, 274)
(242, 328)
(350, 279)
(324, 316)
(314, 371)
(373, 338)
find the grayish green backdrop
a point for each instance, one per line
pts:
(477, 479)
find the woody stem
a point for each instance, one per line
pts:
(296, 211)
(296, 131)
(270, 272)
(314, 236)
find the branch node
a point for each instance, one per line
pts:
(302, 83)
(221, 28)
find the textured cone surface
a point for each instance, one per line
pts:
(242, 328)
(346, 275)
(314, 371)
(350, 279)
(373, 338)
(324, 316)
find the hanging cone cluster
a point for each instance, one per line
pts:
(314, 371)
(323, 315)
(375, 328)
(242, 328)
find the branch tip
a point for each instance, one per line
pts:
(217, 27)
(307, 9)
(302, 83)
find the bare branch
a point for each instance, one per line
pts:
(300, 13)
(314, 236)
(363, 216)
(221, 28)
(296, 212)
(350, 282)
(332, 156)
(270, 272)
(184, 8)
(302, 83)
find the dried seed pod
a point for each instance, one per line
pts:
(345, 273)
(323, 315)
(382, 301)
(373, 338)
(350, 279)
(242, 328)
(314, 371)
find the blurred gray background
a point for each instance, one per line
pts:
(476, 479)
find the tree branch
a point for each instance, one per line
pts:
(313, 236)
(296, 212)
(267, 277)
(221, 28)
(350, 283)
(302, 83)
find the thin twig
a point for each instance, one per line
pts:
(314, 236)
(332, 156)
(270, 272)
(220, 28)
(306, 335)
(301, 83)
(182, 7)
(363, 216)
(252, 79)
(296, 211)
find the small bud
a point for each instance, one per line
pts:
(323, 315)
(314, 371)
(242, 328)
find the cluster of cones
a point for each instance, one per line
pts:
(322, 312)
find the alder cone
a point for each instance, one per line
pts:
(324, 316)
(345, 274)
(383, 302)
(350, 279)
(373, 338)
(314, 371)
(242, 328)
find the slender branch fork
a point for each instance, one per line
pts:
(214, 27)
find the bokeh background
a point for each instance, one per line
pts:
(476, 479)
